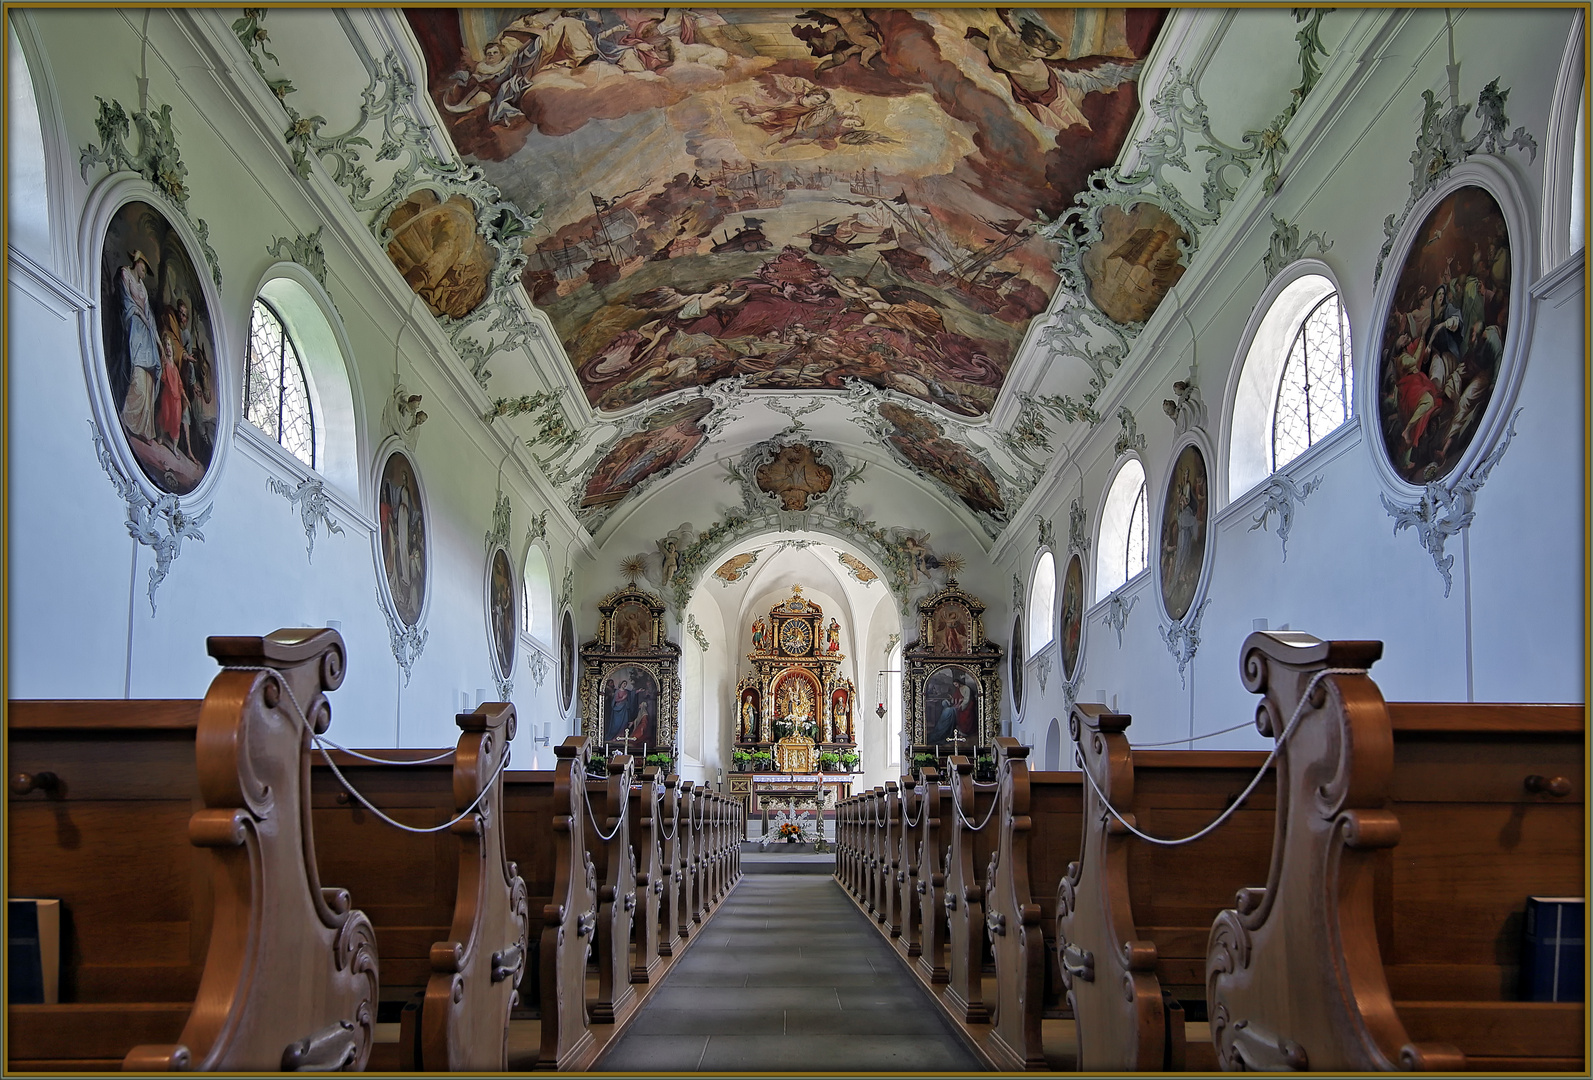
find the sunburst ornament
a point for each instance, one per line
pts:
(953, 564)
(633, 568)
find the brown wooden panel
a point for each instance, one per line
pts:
(75, 1032)
(1452, 982)
(151, 766)
(1448, 716)
(109, 714)
(1498, 1028)
(126, 982)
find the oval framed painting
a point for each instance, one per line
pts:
(567, 660)
(403, 535)
(1015, 664)
(1072, 636)
(157, 376)
(500, 605)
(1183, 550)
(1451, 325)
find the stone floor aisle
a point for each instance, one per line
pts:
(789, 977)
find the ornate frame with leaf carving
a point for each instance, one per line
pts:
(926, 656)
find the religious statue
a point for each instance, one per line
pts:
(749, 717)
(832, 637)
(760, 636)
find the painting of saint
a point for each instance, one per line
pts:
(630, 705)
(794, 477)
(664, 442)
(1183, 532)
(1015, 664)
(953, 629)
(951, 705)
(567, 659)
(735, 568)
(796, 197)
(1444, 339)
(633, 628)
(440, 251)
(501, 609)
(403, 532)
(1072, 616)
(160, 356)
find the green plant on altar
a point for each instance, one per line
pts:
(923, 761)
(663, 761)
(741, 759)
(762, 760)
(830, 762)
(850, 758)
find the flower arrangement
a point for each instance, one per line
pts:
(791, 828)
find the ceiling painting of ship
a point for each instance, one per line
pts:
(800, 196)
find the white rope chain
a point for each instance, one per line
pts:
(956, 801)
(352, 790)
(1194, 738)
(1299, 711)
(625, 808)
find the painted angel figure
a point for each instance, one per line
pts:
(1034, 64)
(794, 110)
(686, 306)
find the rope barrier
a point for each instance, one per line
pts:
(379, 761)
(625, 808)
(1299, 710)
(352, 790)
(956, 802)
(1194, 738)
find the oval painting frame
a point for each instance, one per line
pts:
(502, 635)
(1015, 664)
(567, 660)
(153, 348)
(402, 536)
(1183, 530)
(1448, 328)
(1071, 637)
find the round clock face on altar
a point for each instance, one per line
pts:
(795, 637)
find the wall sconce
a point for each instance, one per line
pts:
(544, 738)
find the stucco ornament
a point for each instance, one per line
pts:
(407, 642)
(1288, 246)
(1182, 638)
(310, 499)
(1117, 610)
(1282, 494)
(305, 250)
(158, 524)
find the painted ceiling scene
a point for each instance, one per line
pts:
(928, 238)
(798, 196)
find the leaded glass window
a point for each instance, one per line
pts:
(1314, 393)
(276, 395)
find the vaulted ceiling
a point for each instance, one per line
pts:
(908, 233)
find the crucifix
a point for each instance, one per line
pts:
(956, 741)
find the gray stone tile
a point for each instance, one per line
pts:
(921, 1022)
(884, 998)
(655, 1020)
(654, 1053)
(719, 999)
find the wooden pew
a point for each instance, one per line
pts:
(545, 830)
(675, 913)
(907, 900)
(932, 841)
(1408, 838)
(448, 907)
(973, 833)
(887, 848)
(609, 842)
(691, 806)
(647, 849)
(1135, 914)
(196, 934)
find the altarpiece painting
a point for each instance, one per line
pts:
(630, 675)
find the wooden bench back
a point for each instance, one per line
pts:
(647, 850)
(1387, 832)
(608, 840)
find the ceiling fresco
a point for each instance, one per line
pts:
(799, 196)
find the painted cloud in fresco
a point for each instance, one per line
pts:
(800, 195)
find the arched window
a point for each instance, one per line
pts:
(1565, 155)
(276, 392)
(1314, 392)
(1122, 547)
(1042, 604)
(1296, 383)
(27, 198)
(536, 597)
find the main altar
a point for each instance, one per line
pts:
(795, 705)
